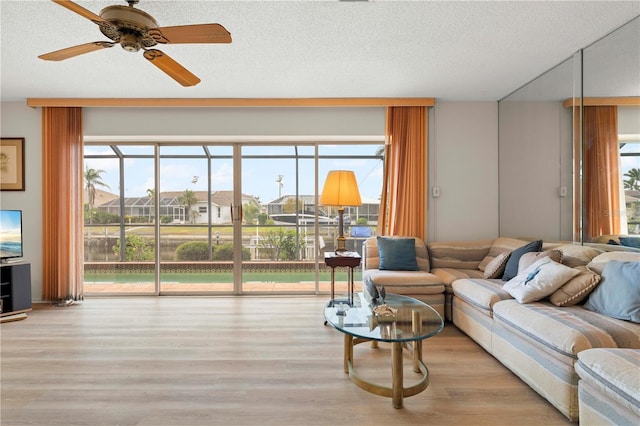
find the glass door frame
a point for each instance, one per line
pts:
(236, 144)
(238, 155)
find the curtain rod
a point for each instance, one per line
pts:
(619, 101)
(228, 102)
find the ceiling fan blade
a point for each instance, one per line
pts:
(171, 67)
(70, 52)
(83, 12)
(201, 33)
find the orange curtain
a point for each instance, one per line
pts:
(62, 181)
(602, 194)
(403, 207)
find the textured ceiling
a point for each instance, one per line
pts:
(449, 50)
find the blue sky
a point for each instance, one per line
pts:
(260, 175)
(630, 162)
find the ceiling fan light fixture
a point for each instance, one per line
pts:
(130, 42)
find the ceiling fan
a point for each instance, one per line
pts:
(134, 29)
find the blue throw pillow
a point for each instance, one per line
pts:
(630, 241)
(397, 253)
(511, 269)
(618, 294)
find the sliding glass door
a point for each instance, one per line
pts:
(281, 232)
(196, 232)
(235, 218)
(120, 237)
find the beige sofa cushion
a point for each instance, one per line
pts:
(482, 294)
(567, 331)
(498, 246)
(449, 275)
(612, 372)
(458, 254)
(577, 255)
(405, 282)
(495, 268)
(598, 263)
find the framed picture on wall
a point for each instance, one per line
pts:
(12, 164)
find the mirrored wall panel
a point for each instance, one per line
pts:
(570, 147)
(611, 138)
(536, 158)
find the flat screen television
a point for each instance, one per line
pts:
(10, 234)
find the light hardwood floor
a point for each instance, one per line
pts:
(235, 361)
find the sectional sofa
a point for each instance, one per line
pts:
(539, 338)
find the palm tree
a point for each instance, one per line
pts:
(151, 192)
(93, 178)
(187, 199)
(194, 215)
(633, 183)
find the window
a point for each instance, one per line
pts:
(630, 167)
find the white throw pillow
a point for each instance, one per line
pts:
(539, 280)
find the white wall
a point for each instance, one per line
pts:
(463, 164)
(535, 161)
(233, 121)
(18, 120)
(629, 120)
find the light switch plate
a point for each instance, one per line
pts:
(562, 191)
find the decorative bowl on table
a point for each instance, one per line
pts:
(385, 313)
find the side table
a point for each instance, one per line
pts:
(350, 259)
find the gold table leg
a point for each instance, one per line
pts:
(417, 356)
(397, 388)
(397, 392)
(348, 352)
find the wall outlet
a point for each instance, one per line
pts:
(435, 191)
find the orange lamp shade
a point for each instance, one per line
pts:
(340, 189)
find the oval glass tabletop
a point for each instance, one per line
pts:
(413, 320)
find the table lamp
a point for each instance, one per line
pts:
(340, 190)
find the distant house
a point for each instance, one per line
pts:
(278, 206)
(143, 207)
(219, 203)
(101, 197)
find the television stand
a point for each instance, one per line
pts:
(15, 291)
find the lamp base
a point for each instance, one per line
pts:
(341, 251)
(341, 240)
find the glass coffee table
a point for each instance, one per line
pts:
(413, 322)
